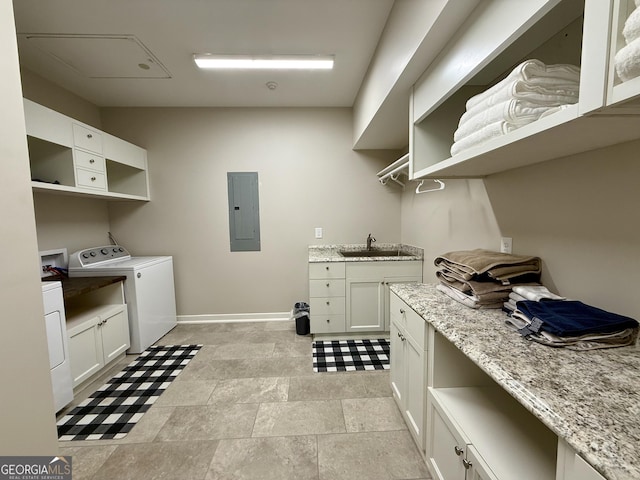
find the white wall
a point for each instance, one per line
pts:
(309, 177)
(26, 403)
(579, 214)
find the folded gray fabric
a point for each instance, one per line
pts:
(468, 263)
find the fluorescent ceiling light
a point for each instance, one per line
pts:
(276, 62)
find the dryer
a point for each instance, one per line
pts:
(148, 289)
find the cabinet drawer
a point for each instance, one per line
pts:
(89, 160)
(326, 288)
(327, 323)
(87, 139)
(326, 270)
(327, 305)
(89, 179)
(407, 318)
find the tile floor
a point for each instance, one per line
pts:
(249, 406)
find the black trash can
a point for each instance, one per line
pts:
(301, 314)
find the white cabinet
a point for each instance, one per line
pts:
(497, 36)
(97, 336)
(571, 466)
(367, 291)
(326, 297)
(69, 157)
(408, 372)
(353, 297)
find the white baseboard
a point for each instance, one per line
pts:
(236, 317)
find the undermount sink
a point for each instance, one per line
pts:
(374, 253)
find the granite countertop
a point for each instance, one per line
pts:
(72, 287)
(591, 399)
(331, 253)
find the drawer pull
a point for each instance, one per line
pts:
(328, 320)
(89, 135)
(467, 464)
(92, 161)
(402, 311)
(327, 268)
(403, 339)
(328, 303)
(459, 451)
(93, 179)
(327, 285)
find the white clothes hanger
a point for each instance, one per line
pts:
(435, 189)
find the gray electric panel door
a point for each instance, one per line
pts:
(244, 214)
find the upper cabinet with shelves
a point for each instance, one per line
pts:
(67, 156)
(498, 36)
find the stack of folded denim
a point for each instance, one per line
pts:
(483, 278)
(572, 324)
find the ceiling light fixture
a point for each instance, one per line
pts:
(272, 62)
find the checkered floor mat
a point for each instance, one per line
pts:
(350, 355)
(113, 410)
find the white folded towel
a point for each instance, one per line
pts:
(536, 293)
(515, 112)
(627, 61)
(485, 133)
(631, 30)
(534, 73)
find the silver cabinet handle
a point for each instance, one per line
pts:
(92, 161)
(459, 451)
(89, 135)
(139, 275)
(328, 320)
(467, 464)
(401, 336)
(93, 179)
(100, 324)
(328, 303)
(402, 311)
(327, 268)
(327, 284)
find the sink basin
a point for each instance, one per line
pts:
(374, 253)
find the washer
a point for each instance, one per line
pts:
(149, 289)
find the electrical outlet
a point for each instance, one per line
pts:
(506, 244)
(318, 232)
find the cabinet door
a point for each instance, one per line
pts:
(445, 447)
(365, 305)
(115, 335)
(476, 468)
(85, 353)
(397, 370)
(415, 393)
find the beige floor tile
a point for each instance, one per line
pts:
(376, 384)
(195, 392)
(326, 386)
(276, 458)
(283, 325)
(374, 456)
(86, 461)
(299, 418)
(372, 415)
(250, 390)
(210, 422)
(243, 350)
(199, 369)
(292, 349)
(159, 461)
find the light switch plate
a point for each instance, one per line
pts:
(318, 232)
(506, 244)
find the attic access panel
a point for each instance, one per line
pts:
(99, 56)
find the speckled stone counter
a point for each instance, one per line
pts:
(331, 253)
(590, 399)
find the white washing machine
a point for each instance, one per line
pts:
(148, 289)
(55, 321)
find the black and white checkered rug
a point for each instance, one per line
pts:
(113, 410)
(350, 355)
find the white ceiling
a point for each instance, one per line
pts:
(173, 30)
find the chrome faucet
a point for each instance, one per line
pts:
(370, 239)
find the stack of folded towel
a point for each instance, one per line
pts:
(627, 60)
(534, 293)
(482, 278)
(572, 324)
(530, 91)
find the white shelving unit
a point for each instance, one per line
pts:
(580, 32)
